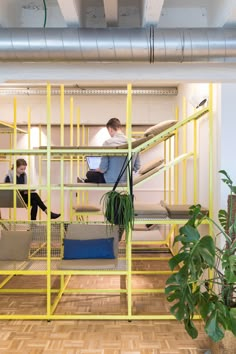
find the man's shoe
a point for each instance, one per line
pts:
(80, 180)
(54, 215)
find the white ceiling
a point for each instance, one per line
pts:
(118, 13)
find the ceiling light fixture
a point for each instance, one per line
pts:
(160, 91)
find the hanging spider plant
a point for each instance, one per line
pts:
(118, 209)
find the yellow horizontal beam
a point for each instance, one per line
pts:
(25, 317)
(149, 242)
(96, 291)
(150, 258)
(148, 291)
(90, 317)
(23, 272)
(151, 272)
(4, 125)
(23, 152)
(165, 221)
(27, 291)
(89, 272)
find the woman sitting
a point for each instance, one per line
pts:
(21, 178)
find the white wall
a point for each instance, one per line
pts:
(112, 74)
(226, 138)
(94, 109)
(190, 95)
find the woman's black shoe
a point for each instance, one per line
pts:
(54, 215)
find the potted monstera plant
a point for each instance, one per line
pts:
(204, 281)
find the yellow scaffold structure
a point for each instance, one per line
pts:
(47, 287)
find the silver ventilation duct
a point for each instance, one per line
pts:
(118, 45)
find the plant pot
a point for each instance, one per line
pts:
(226, 346)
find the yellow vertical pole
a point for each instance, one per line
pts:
(71, 120)
(176, 176)
(184, 177)
(29, 160)
(71, 126)
(176, 168)
(165, 179)
(14, 123)
(195, 179)
(170, 174)
(78, 126)
(11, 146)
(211, 141)
(40, 166)
(83, 169)
(28, 127)
(48, 199)
(129, 236)
(62, 167)
(62, 115)
(86, 194)
(14, 148)
(71, 144)
(11, 163)
(78, 144)
(62, 142)
(128, 121)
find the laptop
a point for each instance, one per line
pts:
(93, 162)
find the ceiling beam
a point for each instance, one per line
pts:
(10, 13)
(111, 12)
(231, 21)
(151, 11)
(72, 12)
(221, 13)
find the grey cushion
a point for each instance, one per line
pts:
(146, 209)
(88, 264)
(7, 197)
(91, 232)
(180, 211)
(160, 127)
(150, 165)
(14, 245)
(86, 208)
(140, 178)
(136, 142)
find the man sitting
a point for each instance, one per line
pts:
(110, 166)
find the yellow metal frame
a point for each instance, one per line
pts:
(54, 295)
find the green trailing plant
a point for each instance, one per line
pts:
(117, 206)
(118, 209)
(204, 282)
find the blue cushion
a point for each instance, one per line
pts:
(88, 249)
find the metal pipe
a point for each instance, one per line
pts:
(118, 44)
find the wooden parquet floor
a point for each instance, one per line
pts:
(94, 337)
(98, 337)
